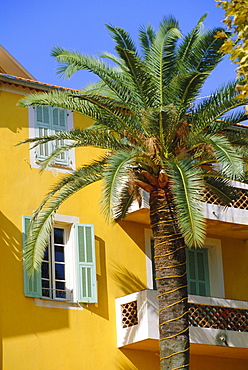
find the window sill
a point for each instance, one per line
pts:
(52, 303)
(54, 165)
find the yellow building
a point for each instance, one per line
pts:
(101, 312)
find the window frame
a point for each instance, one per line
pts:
(51, 262)
(200, 283)
(216, 276)
(35, 158)
(72, 267)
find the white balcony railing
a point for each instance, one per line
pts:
(212, 210)
(214, 321)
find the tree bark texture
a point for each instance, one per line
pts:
(171, 280)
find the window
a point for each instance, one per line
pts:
(204, 267)
(46, 121)
(68, 271)
(154, 285)
(198, 271)
(53, 281)
(50, 121)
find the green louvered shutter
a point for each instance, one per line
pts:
(59, 120)
(43, 126)
(32, 285)
(59, 123)
(198, 271)
(87, 289)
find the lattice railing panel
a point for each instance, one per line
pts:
(129, 314)
(218, 317)
(241, 202)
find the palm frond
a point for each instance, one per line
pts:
(135, 68)
(104, 139)
(187, 189)
(160, 61)
(226, 156)
(116, 176)
(126, 198)
(70, 62)
(205, 55)
(37, 239)
(41, 223)
(85, 175)
(114, 58)
(63, 99)
(229, 120)
(222, 188)
(184, 89)
(146, 36)
(217, 106)
(122, 39)
(184, 52)
(238, 136)
(100, 88)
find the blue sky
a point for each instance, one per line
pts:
(29, 30)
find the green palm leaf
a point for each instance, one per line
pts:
(184, 53)
(146, 36)
(185, 179)
(41, 224)
(126, 198)
(116, 176)
(226, 155)
(222, 189)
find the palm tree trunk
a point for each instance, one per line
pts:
(171, 279)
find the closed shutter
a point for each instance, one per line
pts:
(43, 126)
(59, 123)
(198, 271)
(87, 289)
(59, 119)
(32, 285)
(42, 116)
(49, 121)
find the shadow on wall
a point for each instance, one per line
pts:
(126, 280)
(20, 315)
(137, 233)
(100, 308)
(139, 360)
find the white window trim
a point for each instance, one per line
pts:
(216, 277)
(148, 237)
(32, 133)
(67, 222)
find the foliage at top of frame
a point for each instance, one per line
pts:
(236, 19)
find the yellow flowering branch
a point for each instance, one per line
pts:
(236, 19)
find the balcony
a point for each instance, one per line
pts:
(230, 221)
(217, 325)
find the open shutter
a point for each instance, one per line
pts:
(198, 271)
(32, 285)
(87, 289)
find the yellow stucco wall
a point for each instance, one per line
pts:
(42, 338)
(235, 258)
(234, 261)
(218, 363)
(51, 338)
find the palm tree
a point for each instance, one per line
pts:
(157, 136)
